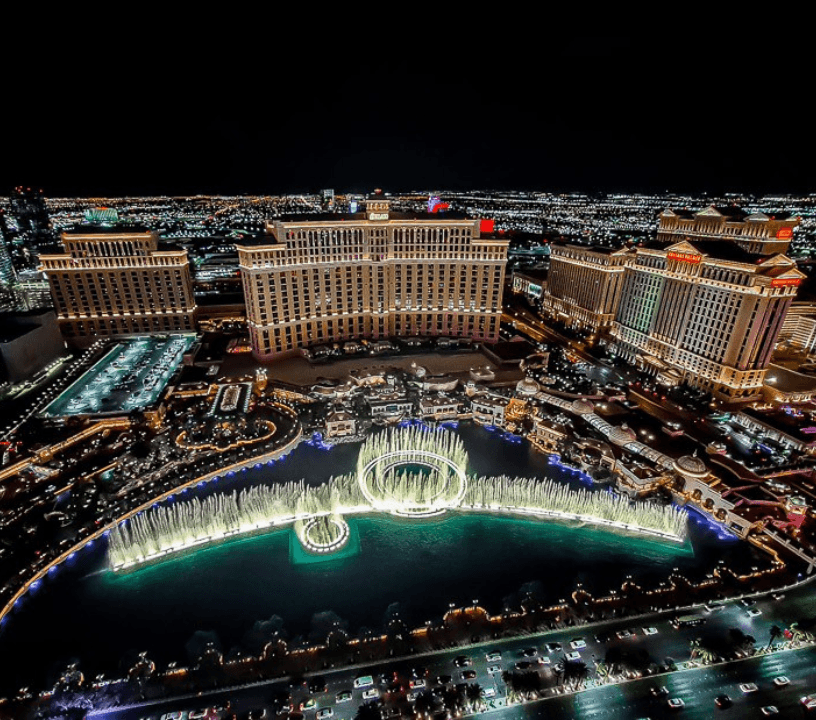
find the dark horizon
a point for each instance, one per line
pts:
(670, 111)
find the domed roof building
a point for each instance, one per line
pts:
(527, 387)
(690, 466)
(582, 407)
(622, 435)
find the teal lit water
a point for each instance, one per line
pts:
(86, 611)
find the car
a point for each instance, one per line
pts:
(462, 661)
(493, 669)
(417, 683)
(492, 657)
(623, 634)
(196, 714)
(444, 679)
(809, 702)
(603, 637)
(659, 691)
(747, 602)
(573, 656)
(722, 701)
(781, 681)
(748, 687)
(578, 643)
(489, 692)
(324, 713)
(553, 647)
(309, 704)
(714, 606)
(523, 665)
(543, 660)
(468, 674)
(370, 693)
(769, 710)
(342, 697)
(676, 703)
(754, 612)
(363, 681)
(650, 631)
(529, 652)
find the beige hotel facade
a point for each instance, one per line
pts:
(375, 274)
(703, 303)
(119, 283)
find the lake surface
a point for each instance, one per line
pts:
(85, 611)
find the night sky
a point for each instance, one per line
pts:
(356, 101)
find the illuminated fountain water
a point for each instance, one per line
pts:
(411, 472)
(548, 498)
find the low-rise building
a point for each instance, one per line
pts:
(489, 409)
(340, 423)
(439, 407)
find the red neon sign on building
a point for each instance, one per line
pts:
(786, 282)
(784, 233)
(684, 257)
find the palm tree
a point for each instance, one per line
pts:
(775, 634)
(575, 673)
(475, 697)
(799, 635)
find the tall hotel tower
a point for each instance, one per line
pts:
(703, 303)
(110, 283)
(375, 274)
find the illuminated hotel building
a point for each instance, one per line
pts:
(758, 233)
(702, 304)
(374, 274)
(584, 285)
(705, 302)
(119, 284)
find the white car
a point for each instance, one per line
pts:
(754, 612)
(493, 657)
(573, 656)
(650, 631)
(748, 687)
(490, 692)
(578, 644)
(781, 681)
(676, 703)
(770, 710)
(493, 669)
(324, 713)
(370, 693)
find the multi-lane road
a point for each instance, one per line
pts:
(396, 683)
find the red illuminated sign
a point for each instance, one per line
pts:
(684, 257)
(486, 226)
(784, 233)
(786, 282)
